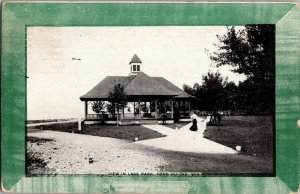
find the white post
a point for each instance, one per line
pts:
(79, 124)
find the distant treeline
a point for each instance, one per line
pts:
(216, 94)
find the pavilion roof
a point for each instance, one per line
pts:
(135, 85)
(180, 93)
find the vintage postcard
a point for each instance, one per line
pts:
(150, 97)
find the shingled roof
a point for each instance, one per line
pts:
(135, 85)
(135, 59)
(180, 93)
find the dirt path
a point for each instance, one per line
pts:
(70, 154)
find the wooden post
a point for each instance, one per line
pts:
(117, 116)
(133, 110)
(139, 104)
(123, 113)
(189, 106)
(186, 105)
(180, 108)
(172, 109)
(114, 110)
(85, 109)
(155, 101)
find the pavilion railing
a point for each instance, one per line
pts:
(106, 116)
(101, 116)
(184, 114)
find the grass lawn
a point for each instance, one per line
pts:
(223, 164)
(121, 132)
(253, 133)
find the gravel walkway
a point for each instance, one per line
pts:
(70, 154)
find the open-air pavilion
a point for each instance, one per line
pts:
(149, 98)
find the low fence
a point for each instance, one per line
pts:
(106, 116)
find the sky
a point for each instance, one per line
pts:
(64, 63)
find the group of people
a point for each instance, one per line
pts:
(215, 118)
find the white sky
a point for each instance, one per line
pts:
(56, 80)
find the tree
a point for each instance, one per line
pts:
(118, 97)
(144, 108)
(189, 89)
(98, 106)
(211, 95)
(196, 90)
(231, 96)
(251, 51)
(110, 109)
(213, 91)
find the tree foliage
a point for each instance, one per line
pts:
(213, 91)
(210, 96)
(97, 106)
(118, 96)
(110, 108)
(217, 94)
(144, 108)
(250, 51)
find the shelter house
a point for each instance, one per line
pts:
(149, 98)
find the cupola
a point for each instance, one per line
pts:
(135, 65)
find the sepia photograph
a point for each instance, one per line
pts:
(150, 100)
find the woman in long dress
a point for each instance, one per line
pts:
(198, 124)
(194, 126)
